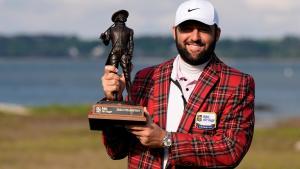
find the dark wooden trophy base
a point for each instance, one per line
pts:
(113, 113)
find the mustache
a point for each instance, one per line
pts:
(198, 42)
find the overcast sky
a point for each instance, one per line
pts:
(88, 18)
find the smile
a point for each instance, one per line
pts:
(194, 47)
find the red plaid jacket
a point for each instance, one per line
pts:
(220, 89)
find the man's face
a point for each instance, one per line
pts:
(195, 41)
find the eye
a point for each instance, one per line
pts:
(189, 26)
(204, 28)
(185, 28)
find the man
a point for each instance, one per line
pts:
(122, 46)
(200, 111)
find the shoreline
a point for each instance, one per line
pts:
(263, 120)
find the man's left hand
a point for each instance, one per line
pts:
(150, 135)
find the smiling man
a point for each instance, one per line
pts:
(196, 41)
(200, 111)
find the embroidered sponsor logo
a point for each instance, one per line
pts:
(206, 120)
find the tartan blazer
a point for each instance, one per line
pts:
(220, 89)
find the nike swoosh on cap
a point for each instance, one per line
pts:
(190, 10)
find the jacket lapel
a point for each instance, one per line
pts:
(161, 90)
(206, 82)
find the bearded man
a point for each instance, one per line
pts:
(200, 111)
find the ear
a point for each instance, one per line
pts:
(174, 32)
(218, 33)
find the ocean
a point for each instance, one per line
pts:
(65, 81)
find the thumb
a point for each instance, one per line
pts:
(148, 117)
(122, 78)
(122, 84)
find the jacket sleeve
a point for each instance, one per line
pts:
(117, 140)
(232, 139)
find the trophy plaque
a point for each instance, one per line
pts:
(107, 113)
(116, 113)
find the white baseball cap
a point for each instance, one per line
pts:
(199, 10)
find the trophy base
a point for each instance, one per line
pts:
(113, 113)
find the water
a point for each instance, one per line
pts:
(42, 82)
(277, 87)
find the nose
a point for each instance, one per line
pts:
(195, 35)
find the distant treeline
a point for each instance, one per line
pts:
(71, 46)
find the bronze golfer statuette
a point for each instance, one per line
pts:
(109, 113)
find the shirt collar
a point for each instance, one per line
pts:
(182, 70)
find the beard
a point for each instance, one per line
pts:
(201, 58)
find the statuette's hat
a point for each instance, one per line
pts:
(120, 12)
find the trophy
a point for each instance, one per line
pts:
(116, 113)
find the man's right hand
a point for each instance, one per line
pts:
(112, 82)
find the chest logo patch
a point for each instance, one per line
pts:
(206, 120)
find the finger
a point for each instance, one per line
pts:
(122, 78)
(111, 85)
(112, 82)
(137, 133)
(135, 128)
(111, 75)
(111, 88)
(148, 117)
(110, 69)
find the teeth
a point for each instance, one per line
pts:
(194, 47)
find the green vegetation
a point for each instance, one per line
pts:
(52, 137)
(274, 148)
(42, 46)
(61, 110)
(58, 136)
(288, 47)
(71, 46)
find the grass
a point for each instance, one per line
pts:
(273, 148)
(53, 137)
(58, 137)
